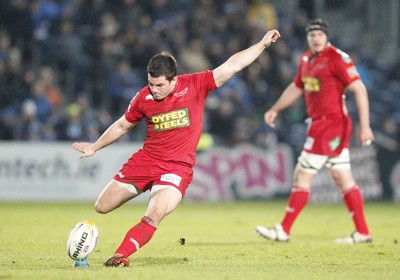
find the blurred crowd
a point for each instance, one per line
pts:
(68, 68)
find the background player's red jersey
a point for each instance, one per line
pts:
(324, 78)
(174, 124)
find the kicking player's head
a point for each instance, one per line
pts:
(317, 24)
(162, 64)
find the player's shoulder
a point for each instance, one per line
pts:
(333, 51)
(336, 53)
(198, 79)
(306, 56)
(195, 75)
(143, 94)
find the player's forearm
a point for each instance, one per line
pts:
(236, 63)
(362, 103)
(288, 97)
(361, 99)
(112, 134)
(107, 138)
(244, 58)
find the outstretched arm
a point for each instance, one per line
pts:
(118, 129)
(288, 97)
(357, 87)
(242, 59)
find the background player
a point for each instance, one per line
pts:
(324, 73)
(173, 108)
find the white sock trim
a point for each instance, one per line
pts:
(135, 243)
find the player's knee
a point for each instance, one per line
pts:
(335, 176)
(157, 214)
(343, 178)
(98, 206)
(302, 179)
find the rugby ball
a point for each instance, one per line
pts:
(82, 240)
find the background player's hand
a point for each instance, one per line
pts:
(85, 148)
(270, 116)
(366, 136)
(271, 37)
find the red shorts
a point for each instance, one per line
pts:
(143, 172)
(328, 136)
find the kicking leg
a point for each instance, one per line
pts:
(163, 200)
(114, 195)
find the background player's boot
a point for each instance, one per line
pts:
(355, 237)
(276, 233)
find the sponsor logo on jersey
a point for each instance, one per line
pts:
(345, 57)
(171, 120)
(181, 93)
(352, 72)
(335, 143)
(311, 84)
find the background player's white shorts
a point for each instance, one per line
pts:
(312, 163)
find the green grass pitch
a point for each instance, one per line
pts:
(220, 242)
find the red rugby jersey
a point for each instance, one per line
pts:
(174, 124)
(323, 78)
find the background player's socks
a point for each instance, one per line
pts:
(297, 200)
(354, 202)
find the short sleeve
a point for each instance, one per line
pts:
(344, 69)
(132, 113)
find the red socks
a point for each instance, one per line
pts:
(136, 237)
(297, 200)
(354, 202)
(352, 198)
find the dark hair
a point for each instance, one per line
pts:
(317, 24)
(162, 64)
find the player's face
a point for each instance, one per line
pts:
(317, 41)
(160, 87)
